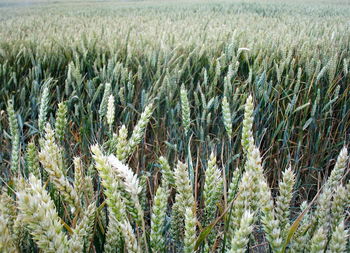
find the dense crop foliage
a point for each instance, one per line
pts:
(174, 127)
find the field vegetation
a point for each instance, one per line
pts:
(174, 126)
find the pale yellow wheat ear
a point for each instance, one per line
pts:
(130, 183)
(8, 213)
(129, 236)
(284, 199)
(322, 216)
(240, 238)
(7, 244)
(114, 171)
(83, 184)
(185, 109)
(339, 169)
(109, 182)
(82, 233)
(38, 212)
(247, 130)
(50, 157)
(183, 199)
(338, 241)
(110, 112)
(190, 230)
(78, 177)
(113, 236)
(318, 241)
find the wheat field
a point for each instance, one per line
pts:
(174, 126)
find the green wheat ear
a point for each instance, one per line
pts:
(44, 106)
(139, 129)
(167, 173)
(183, 200)
(122, 147)
(14, 130)
(105, 98)
(160, 203)
(115, 204)
(33, 160)
(61, 121)
(212, 195)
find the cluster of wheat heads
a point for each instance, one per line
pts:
(186, 174)
(55, 205)
(298, 71)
